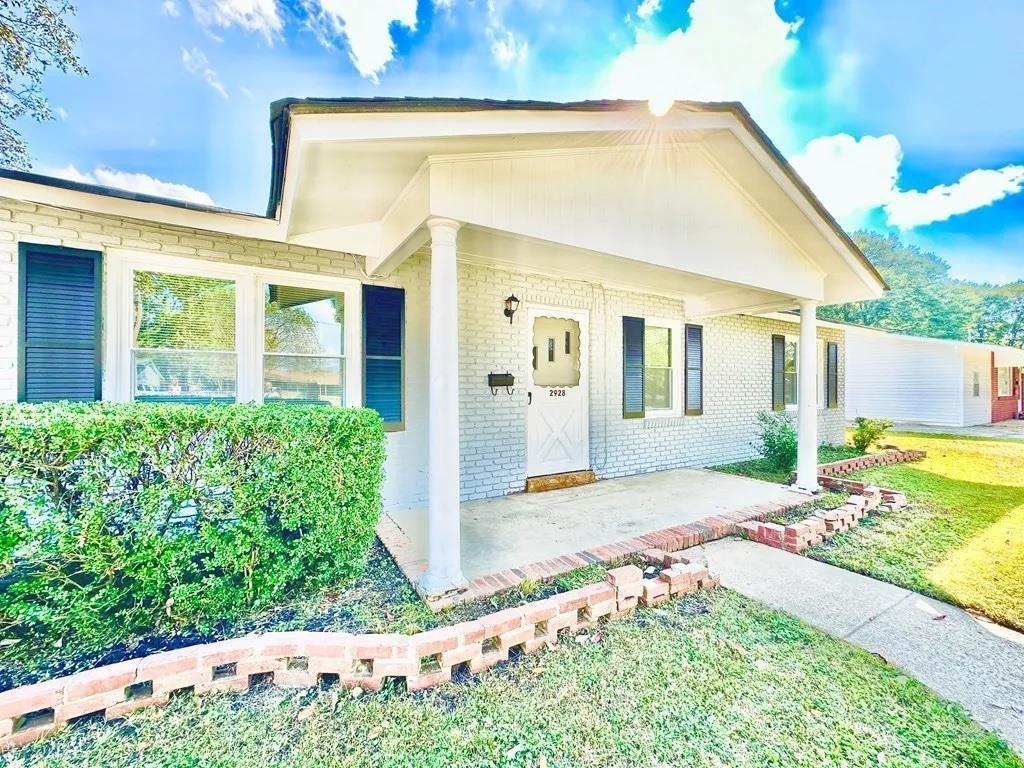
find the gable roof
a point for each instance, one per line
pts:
(281, 110)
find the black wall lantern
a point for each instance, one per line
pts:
(511, 305)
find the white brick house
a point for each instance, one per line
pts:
(644, 253)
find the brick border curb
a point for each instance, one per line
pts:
(888, 456)
(823, 524)
(305, 659)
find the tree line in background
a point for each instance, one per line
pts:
(924, 300)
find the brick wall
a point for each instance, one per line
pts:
(1004, 408)
(493, 428)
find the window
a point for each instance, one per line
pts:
(791, 381)
(303, 345)
(652, 380)
(657, 368)
(1005, 378)
(976, 384)
(185, 330)
(183, 341)
(786, 373)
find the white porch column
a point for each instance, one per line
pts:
(807, 374)
(444, 566)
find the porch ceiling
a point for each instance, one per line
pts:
(703, 296)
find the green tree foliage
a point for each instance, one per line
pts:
(1001, 319)
(923, 299)
(34, 37)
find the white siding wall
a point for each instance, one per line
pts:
(737, 353)
(977, 410)
(912, 380)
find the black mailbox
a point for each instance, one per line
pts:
(498, 380)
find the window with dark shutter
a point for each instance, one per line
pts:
(778, 372)
(383, 348)
(632, 367)
(694, 380)
(832, 374)
(59, 303)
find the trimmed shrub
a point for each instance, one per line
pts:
(867, 432)
(121, 519)
(777, 439)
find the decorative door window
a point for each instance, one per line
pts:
(556, 352)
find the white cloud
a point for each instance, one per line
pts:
(507, 50)
(195, 61)
(170, 7)
(851, 176)
(133, 182)
(60, 112)
(648, 8)
(730, 51)
(365, 25)
(260, 16)
(856, 176)
(973, 190)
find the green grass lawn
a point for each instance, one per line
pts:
(962, 538)
(712, 680)
(763, 470)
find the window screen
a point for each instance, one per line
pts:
(183, 338)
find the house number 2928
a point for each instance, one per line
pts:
(556, 393)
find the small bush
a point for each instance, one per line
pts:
(777, 439)
(120, 519)
(867, 432)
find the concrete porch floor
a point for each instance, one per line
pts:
(513, 531)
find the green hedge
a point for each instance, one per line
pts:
(117, 520)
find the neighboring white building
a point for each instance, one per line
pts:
(936, 382)
(642, 252)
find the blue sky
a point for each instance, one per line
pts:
(903, 115)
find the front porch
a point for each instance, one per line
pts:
(533, 535)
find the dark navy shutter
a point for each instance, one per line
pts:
(59, 318)
(383, 347)
(778, 373)
(831, 374)
(632, 367)
(694, 376)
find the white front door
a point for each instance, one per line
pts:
(558, 426)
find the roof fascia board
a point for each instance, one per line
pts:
(779, 169)
(226, 222)
(377, 126)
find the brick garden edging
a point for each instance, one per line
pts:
(890, 455)
(824, 524)
(305, 659)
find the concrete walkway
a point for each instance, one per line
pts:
(974, 663)
(1002, 430)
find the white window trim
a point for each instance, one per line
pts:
(1000, 381)
(819, 373)
(975, 383)
(676, 331)
(120, 266)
